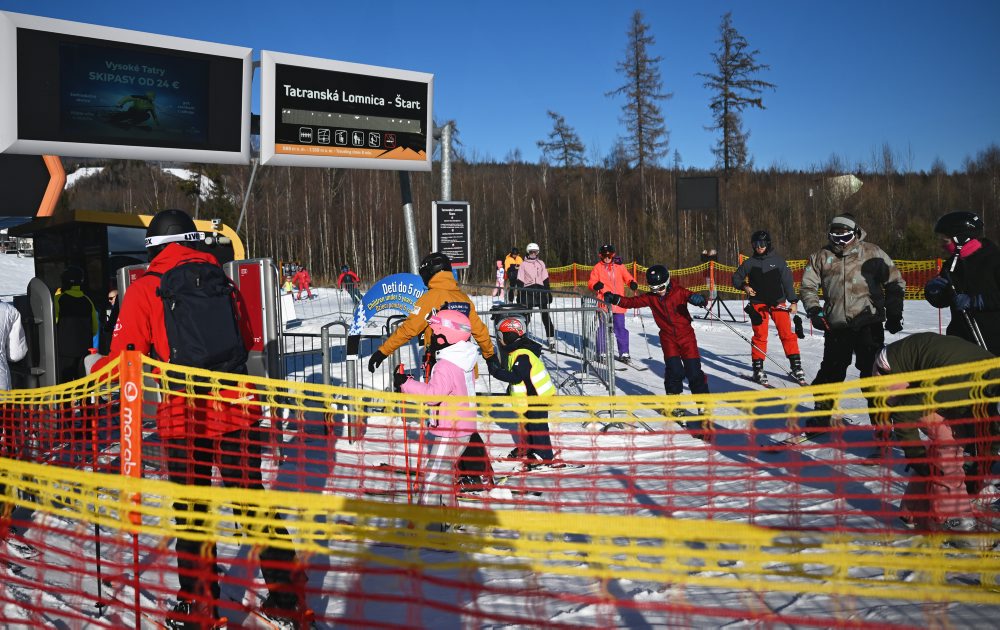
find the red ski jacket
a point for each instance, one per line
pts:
(670, 312)
(140, 323)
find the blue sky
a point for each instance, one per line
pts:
(922, 76)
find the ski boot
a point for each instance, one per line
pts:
(759, 376)
(795, 363)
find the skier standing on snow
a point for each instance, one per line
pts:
(451, 425)
(349, 280)
(528, 379)
(533, 278)
(767, 280)
(975, 278)
(510, 266)
(302, 280)
(610, 277)
(501, 275)
(862, 288)
(677, 339)
(955, 419)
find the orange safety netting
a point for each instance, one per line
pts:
(330, 494)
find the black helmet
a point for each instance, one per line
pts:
(170, 226)
(658, 276)
(71, 276)
(960, 225)
(433, 263)
(345, 268)
(515, 250)
(761, 238)
(607, 249)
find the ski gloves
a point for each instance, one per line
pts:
(697, 299)
(893, 325)
(817, 317)
(398, 379)
(753, 314)
(612, 298)
(799, 331)
(376, 360)
(598, 285)
(633, 285)
(968, 303)
(940, 294)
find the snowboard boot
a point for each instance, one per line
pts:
(795, 363)
(819, 422)
(759, 376)
(551, 342)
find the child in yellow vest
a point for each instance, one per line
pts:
(528, 378)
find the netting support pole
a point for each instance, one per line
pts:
(130, 399)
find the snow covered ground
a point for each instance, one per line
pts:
(725, 358)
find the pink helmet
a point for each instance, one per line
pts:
(451, 325)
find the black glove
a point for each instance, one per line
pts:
(697, 299)
(799, 331)
(753, 314)
(633, 285)
(893, 325)
(493, 363)
(919, 469)
(817, 317)
(968, 303)
(598, 285)
(398, 379)
(376, 360)
(612, 298)
(938, 291)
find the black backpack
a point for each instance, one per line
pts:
(199, 313)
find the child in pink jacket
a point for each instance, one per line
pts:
(451, 424)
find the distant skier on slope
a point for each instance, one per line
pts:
(677, 339)
(767, 280)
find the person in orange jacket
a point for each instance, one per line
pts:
(607, 276)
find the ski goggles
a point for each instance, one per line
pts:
(841, 237)
(761, 244)
(187, 237)
(659, 288)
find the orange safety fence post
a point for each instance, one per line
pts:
(130, 388)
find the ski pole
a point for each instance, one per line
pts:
(754, 346)
(969, 321)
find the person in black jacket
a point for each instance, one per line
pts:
(767, 280)
(969, 281)
(76, 325)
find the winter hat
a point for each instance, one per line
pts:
(844, 221)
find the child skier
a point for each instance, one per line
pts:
(451, 425)
(528, 378)
(498, 291)
(677, 338)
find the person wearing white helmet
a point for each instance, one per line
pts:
(533, 276)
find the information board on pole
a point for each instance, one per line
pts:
(335, 114)
(451, 231)
(68, 88)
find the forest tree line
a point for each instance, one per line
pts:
(328, 217)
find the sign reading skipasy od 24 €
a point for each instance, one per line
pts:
(451, 231)
(68, 88)
(334, 114)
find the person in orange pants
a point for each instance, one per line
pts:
(767, 281)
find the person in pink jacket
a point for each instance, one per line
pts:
(450, 424)
(608, 276)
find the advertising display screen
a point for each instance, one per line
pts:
(319, 112)
(451, 229)
(106, 96)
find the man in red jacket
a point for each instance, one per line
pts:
(199, 434)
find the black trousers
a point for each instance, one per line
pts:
(840, 345)
(237, 455)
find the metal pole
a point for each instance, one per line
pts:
(411, 229)
(446, 161)
(246, 197)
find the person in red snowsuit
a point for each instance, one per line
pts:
(302, 280)
(677, 339)
(198, 434)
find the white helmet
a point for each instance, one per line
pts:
(532, 247)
